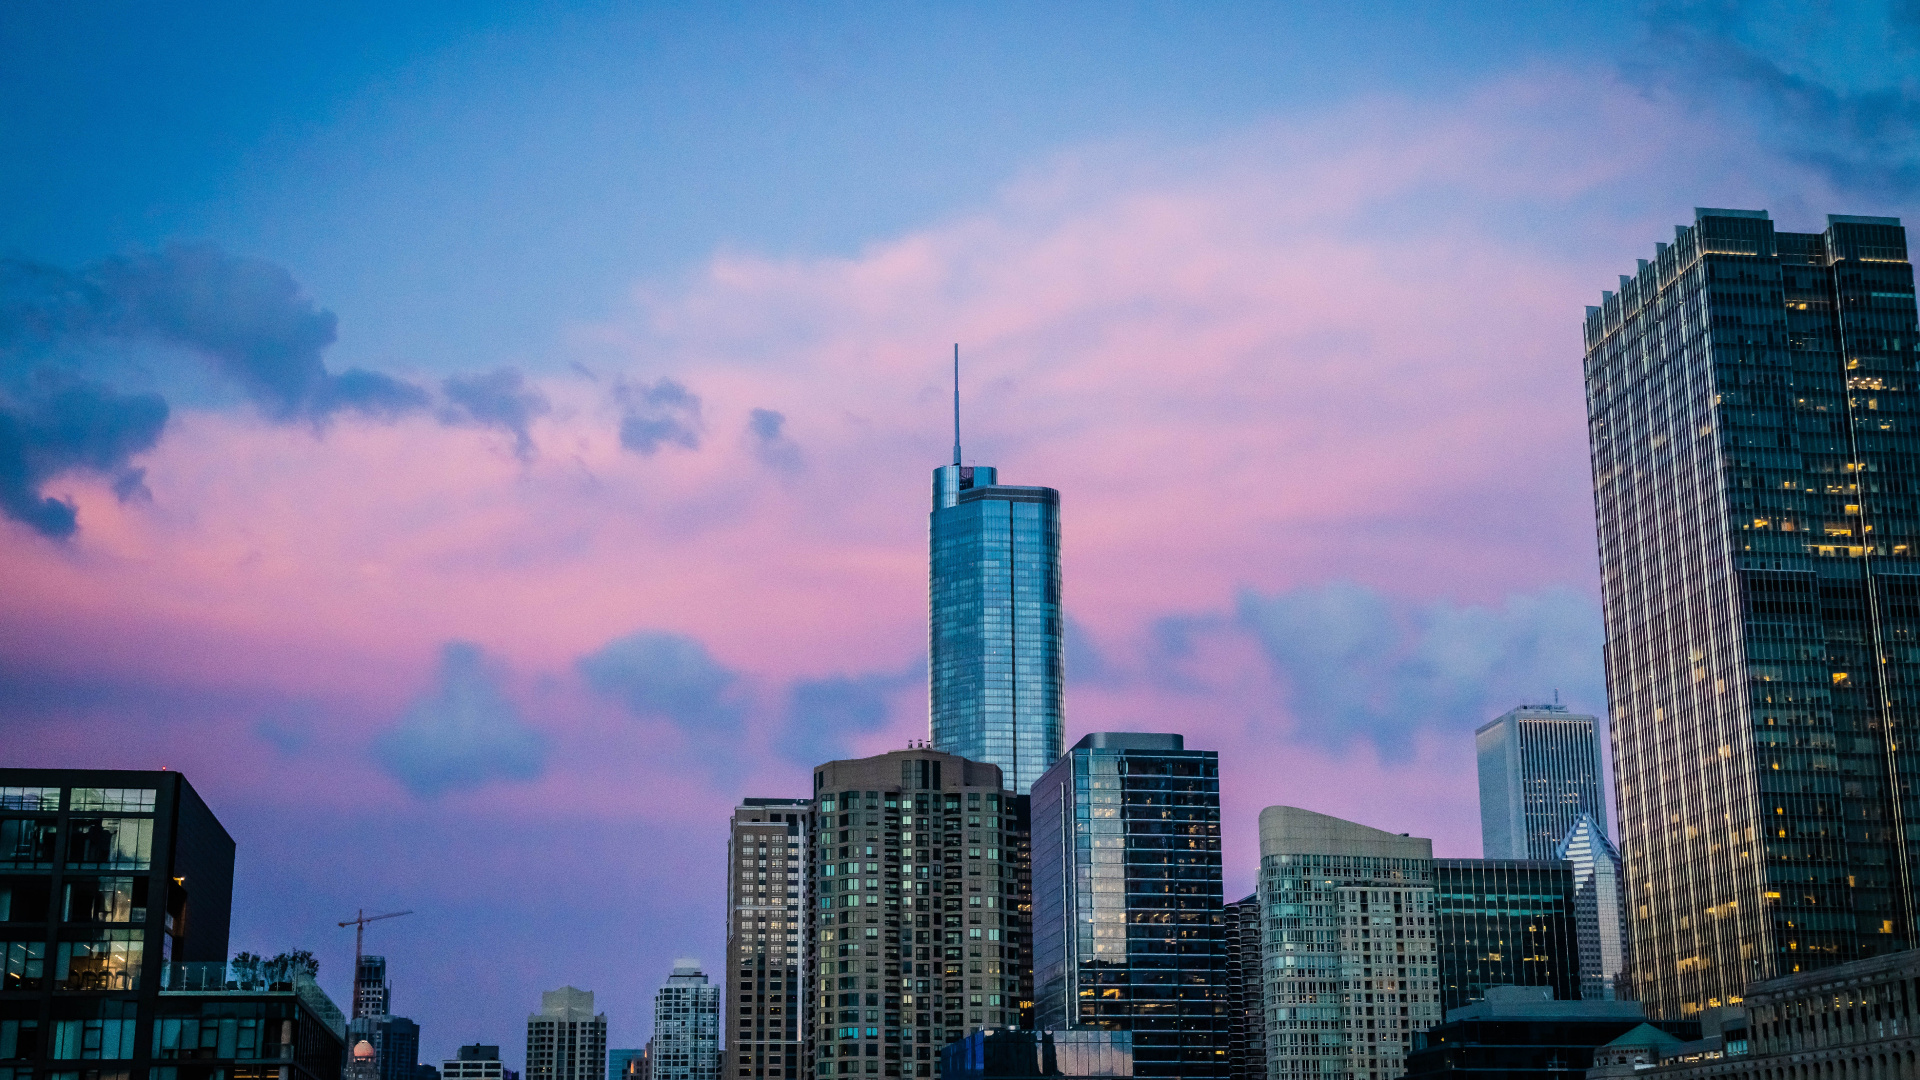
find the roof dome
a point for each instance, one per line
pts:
(362, 1050)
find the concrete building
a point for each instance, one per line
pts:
(917, 934)
(1746, 396)
(1348, 939)
(371, 996)
(1599, 908)
(1505, 922)
(1128, 927)
(686, 1026)
(1539, 771)
(1243, 1000)
(475, 1062)
(566, 1039)
(766, 876)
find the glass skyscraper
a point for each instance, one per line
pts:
(1599, 909)
(1505, 922)
(1539, 771)
(1755, 471)
(1128, 930)
(995, 668)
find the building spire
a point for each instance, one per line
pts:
(956, 403)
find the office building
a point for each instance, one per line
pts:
(399, 1048)
(107, 878)
(1523, 1033)
(566, 1039)
(1505, 922)
(996, 649)
(1016, 1054)
(1349, 945)
(1246, 1012)
(624, 1061)
(478, 1061)
(1539, 770)
(1746, 395)
(1599, 908)
(215, 1020)
(686, 1026)
(1129, 933)
(915, 937)
(766, 874)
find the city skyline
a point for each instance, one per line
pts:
(509, 405)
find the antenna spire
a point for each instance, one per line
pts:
(956, 403)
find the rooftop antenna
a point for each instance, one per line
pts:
(956, 403)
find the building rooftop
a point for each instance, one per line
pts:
(1537, 1003)
(1131, 740)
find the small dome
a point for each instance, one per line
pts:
(362, 1050)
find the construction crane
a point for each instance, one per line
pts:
(359, 923)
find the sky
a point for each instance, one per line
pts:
(478, 443)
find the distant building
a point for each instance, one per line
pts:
(1505, 922)
(476, 1062)
(363, 1063)
(566, 1039)
(1539, 771)
(424, 1071)
(1599, 908)
(766, 874)
(1036, 1055)
(1245, 1009)
(624, 1061)
(1522, 1033)
(1347, 997)
(686, 1026)
(399, 1048)
(371, 996)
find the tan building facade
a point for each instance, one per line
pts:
(760, 1011)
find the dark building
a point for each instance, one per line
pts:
(996, 652)
(1246, 1014)
(914, 935)
(106, 878)
(1505, 922)
(240, 1022)
(1517, 1033)
(1128, 923)
(1749, 400)
(399, 1048)
(1036, 1055)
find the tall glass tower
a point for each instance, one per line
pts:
(1756, 464)
(995, 648)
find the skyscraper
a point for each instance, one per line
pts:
(1505, 922)
(915, 937)
(566, 1040)
(371, 996)
(995, 652)
(1128, 930)
(1599, 909)
(766, 872)
(1539, 770)
(1245, 992)
(686, 1026)
(1349, 935)
(1748, 406)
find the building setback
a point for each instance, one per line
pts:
(477, 1061)
(1505, 922)
(1246, 1012)
(1539, 771)
(1749, 407)
(996, 654)
(1348, 940)
(766, 874)
(686, 1026)
(916, 935)
(1599, 908)
(1128, 929)
(566, 1040)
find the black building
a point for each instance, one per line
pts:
(1519, 1034)
(1505, 922)
(106, 878)
(219, 1022)
(1246, 1012)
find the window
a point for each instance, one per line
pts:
(126, 800)
(110, 961)
(111, 843)
(29, 798)
(109, 1036)
(105, 899)
(24, 899)
(25, 964)
(19, 1039)
(27, 843)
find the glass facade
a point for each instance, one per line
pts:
(917, 931)
(766, 874)
(1599, 909)
(1539, 770)
(1755, 470)
(1129, 932)
(996, 651)
(1246, 1011)
(1505, 922)
(686, 1026)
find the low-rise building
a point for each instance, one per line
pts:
(1523, 1033)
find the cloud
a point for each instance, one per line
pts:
(766, 433)
(289, 726)
(1359, 666)
(497, 399)
(1085, 662)
(824, 715)
(665, 413)
(79, 426)
(667, 676)
(462, 733)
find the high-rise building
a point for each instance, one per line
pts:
(1539, 770)
(1243, 1000)
(566, 1040)
(109, 880)
(1349, 935)
(766, 873)
(399, 1047)
(996, 654)
(1599, 908)
(1129, 933)
(371, 996)
(624, 1061)
(686, 1026)
(478, 1061)
(916, 936)
(1505, 922)
(1747, 401)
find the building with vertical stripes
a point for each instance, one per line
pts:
(1599, 909)
(1505, 922)
(766, 875)
(686, 1026)
(566, 1039)
(1539, 770)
